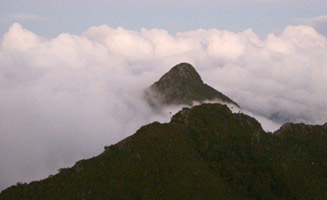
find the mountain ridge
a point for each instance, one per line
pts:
(204, 152)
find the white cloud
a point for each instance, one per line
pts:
(19, 39)
(65, 98)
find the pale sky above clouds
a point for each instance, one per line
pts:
(75, 16)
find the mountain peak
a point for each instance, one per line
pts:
(184, 72)
(180, 75)
(182, 85)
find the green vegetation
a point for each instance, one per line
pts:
(205, 152)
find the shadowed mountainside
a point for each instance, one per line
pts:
(204, 152)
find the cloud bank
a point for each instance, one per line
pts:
(63, 99)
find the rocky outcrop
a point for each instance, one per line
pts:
(182, 85)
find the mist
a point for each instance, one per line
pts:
(63, 99)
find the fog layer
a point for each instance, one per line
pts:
(63, 99)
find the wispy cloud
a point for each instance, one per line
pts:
(313, 20)
(22, 17)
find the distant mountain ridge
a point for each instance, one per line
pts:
(182, 85)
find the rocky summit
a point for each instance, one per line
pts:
(182, 85)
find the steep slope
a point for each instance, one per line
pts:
(182, 85)
(205, 152)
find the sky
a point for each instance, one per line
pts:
(49, 18)
(72, 73)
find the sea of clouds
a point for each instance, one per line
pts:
(65, 98)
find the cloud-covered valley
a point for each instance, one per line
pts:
(65, 98)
